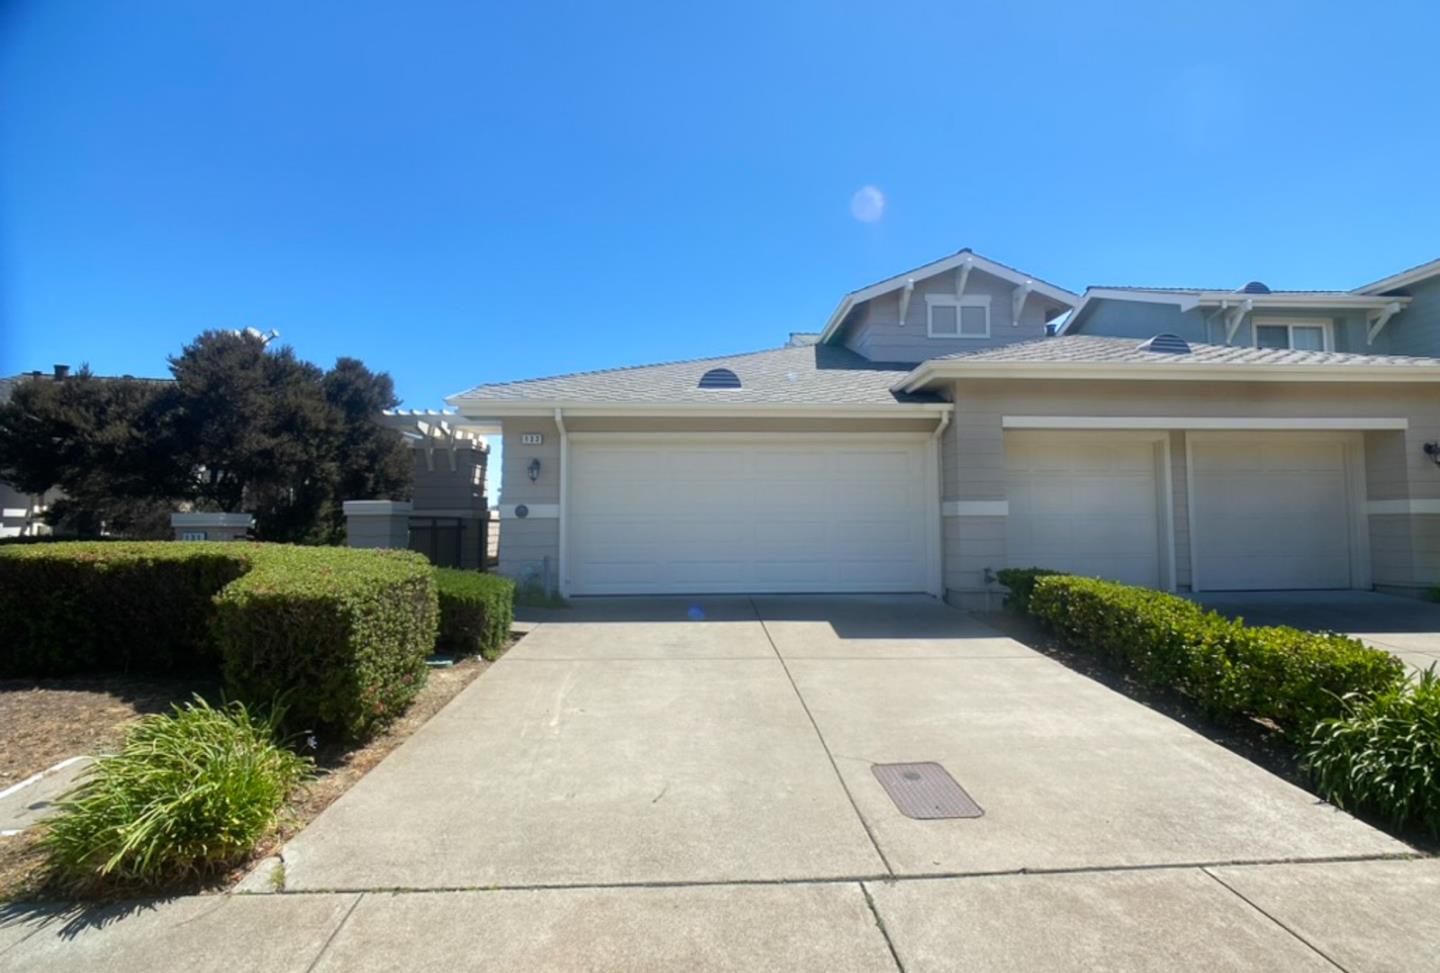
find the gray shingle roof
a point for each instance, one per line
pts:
(1210, 290)
(810, 374)
(1098, 350)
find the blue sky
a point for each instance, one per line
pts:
(460, 193)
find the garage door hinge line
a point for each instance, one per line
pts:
(821, 737)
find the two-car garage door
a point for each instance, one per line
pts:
(735, 514)
(1253, 511)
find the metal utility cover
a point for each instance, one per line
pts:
(925, 791)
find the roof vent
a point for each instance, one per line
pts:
(1255, 287)
(719, 378)
(1166, 344)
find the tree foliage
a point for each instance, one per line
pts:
(243, 427)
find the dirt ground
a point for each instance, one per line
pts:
(45, 721)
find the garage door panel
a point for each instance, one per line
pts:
(1087, 505)
(798, 515)
(1272, 511)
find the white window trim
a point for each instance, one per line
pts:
(1326, 326)
(933, 301)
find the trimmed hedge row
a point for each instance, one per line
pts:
(1021, 582)
(476, 612)
(1294, 679)
(340, 634)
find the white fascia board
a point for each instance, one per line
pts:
(1057, 294)
(1346, 423)
(756, 410)
(1184, 301)
(1148, 371)
(1188, 300)
(1402, 279)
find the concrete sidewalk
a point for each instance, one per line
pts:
(686, 783)
(1358, 917)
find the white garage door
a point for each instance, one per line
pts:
(715, 514)
(1087, 504)
(1272, 511)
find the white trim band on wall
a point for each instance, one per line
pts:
(533, 511)
(975, 508)
(1349, 423)
(1402, 507)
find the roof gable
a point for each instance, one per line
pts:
(1403, 279)
(960, 259)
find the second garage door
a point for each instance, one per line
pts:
(1273, 511)
(721, 514)
(1089, 504)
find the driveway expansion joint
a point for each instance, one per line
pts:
(835, 767)
(890, 878)
(334, 932)
(1298, 938)
(880, 925)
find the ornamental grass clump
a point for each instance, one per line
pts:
(1383, 755)
(189, 794)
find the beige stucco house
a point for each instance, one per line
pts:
(935, 431)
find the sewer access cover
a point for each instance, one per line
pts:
(925, 791)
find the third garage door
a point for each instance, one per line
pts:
(1273, 511)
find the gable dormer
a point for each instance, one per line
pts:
(964, 302)
(1252, 316)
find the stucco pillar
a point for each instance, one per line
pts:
(377, 523)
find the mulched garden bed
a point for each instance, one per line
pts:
(45, 721)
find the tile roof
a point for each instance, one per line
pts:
(1098, 350)
(819, 374)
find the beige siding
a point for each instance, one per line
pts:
(878, 333)
(1405, 549)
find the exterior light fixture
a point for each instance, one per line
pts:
(1432, 450)
(533, 470)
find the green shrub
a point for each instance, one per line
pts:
(1292, 678)
(189, 793)
(341, 635)
(476, 612)
(1383, 754)
(111, 606)
(1021, 582)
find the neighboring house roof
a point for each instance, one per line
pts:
(1403, 279)
(1190, 298)
(1059, 295)
(1093, 356)
(809, 375)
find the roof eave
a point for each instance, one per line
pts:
(490, 409)
(1154, 371)
(1402, 279)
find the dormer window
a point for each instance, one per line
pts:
(948, 316)
(1302, 334)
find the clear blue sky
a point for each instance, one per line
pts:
(460, 193)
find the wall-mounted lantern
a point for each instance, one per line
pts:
(1432, 450)
(533, 470)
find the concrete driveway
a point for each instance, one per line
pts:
(686, 783)
(1404, 626)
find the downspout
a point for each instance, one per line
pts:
(564, 566)
(937, 566)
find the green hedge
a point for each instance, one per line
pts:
(1294, 679)
(118, 606)
(476, 612)
(341, 634)
(1021, 582)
